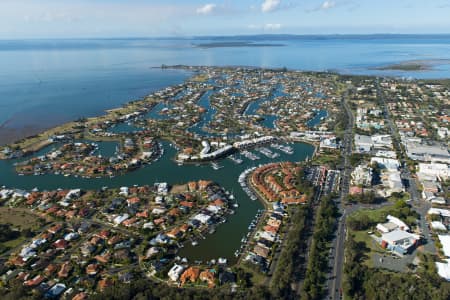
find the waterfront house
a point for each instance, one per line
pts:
(175, 272)
(261, 251)
(92, 269)
(61, 244)
(209, 277)
(191, 274)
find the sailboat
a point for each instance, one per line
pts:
(231, 197)
(235, 203)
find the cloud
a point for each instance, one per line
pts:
(271, 26)
(270, 5)
(206, 9)
(327, 5)
(52, 17)
(268, 26)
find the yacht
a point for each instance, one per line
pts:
(216, 166)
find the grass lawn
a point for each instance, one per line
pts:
(19, 218)
(200, 78)
(326, 159)
(404, 196)
(12, 243)
(375, 215)
(363, 236)
(258, 278)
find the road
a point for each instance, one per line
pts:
(420, 206)
(337, 249)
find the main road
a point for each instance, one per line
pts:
(337, 249)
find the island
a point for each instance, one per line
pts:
(236, 44)
(414, 65)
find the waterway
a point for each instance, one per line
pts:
(207, 116)
(227, 237)
(124, 128)
(269, 120)
(155, 112)
(318, 117)
(49, 82)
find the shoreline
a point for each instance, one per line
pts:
(34, 143)
(17, 139)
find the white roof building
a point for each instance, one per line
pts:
(73, 194)
(214, 208)
(438, 200)
(124, 191)
(175, 272)
(386, 153)
(439, 211)
(363, 143)
(438, 225)
(433, 170)
(202, 218)
(268, 236)
(398, 222)
(392, 224)
(445, 241)
(386, 227)
(120, 219)
(158, 211)
(395, 182)
(444, 269)
(388, 163)
(400, 238)
(362, 174)
(417, 150)
(206, 148)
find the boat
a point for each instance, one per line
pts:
(216, 166)
(235, 159)
(194, 243)
(235, 201)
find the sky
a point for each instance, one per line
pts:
(185, 18)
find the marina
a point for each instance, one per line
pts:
(283, 148)
(235, 159)
(268, 153)
(250, 155)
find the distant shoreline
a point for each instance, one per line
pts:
(13, 135)
(235, 44)
(414, 65)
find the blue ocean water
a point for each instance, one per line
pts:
(47, 82)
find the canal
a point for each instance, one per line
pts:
(227, 237)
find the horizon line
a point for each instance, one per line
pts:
(232, 36)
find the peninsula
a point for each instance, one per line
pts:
(240, 181)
